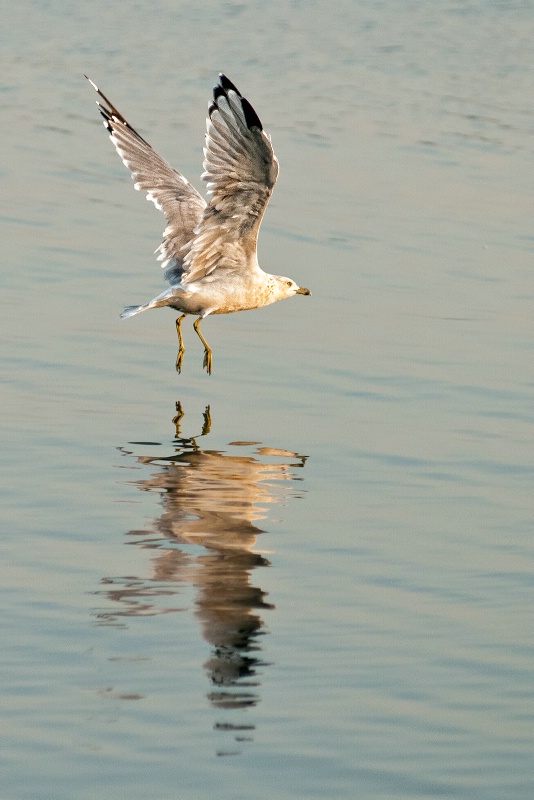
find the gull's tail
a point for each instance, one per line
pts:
(164, 299)
(129, 311)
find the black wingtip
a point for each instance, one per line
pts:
(251, 118)
(218, 91)
(106, 117)
(227, 84)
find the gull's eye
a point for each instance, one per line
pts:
(289, 283)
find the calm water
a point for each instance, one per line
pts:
(309, 575)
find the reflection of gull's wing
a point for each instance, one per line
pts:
(241, 170)
(170, 192)
(215, 499)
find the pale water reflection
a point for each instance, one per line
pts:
(212, 500)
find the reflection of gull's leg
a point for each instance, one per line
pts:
(206, 427)
(190, 441)
(207, 348)
(178, 418)
(181, 351)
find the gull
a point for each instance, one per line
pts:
(209, 250)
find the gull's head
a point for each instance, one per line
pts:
(287, 288)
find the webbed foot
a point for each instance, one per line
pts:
(207, 360)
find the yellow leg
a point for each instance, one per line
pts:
(181, 351)
(207, 348)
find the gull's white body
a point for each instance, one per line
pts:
(209, 251)
(234, 291)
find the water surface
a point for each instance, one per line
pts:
(310, 574)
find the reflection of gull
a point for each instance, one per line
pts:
(209, 252)
(213, 499)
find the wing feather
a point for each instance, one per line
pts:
(240, 169)
(170, 191)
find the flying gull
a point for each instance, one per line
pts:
(208, 250)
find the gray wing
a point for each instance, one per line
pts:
(240, 170)
(170, 192)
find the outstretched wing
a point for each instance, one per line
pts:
(182, 205)
(240, 170)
